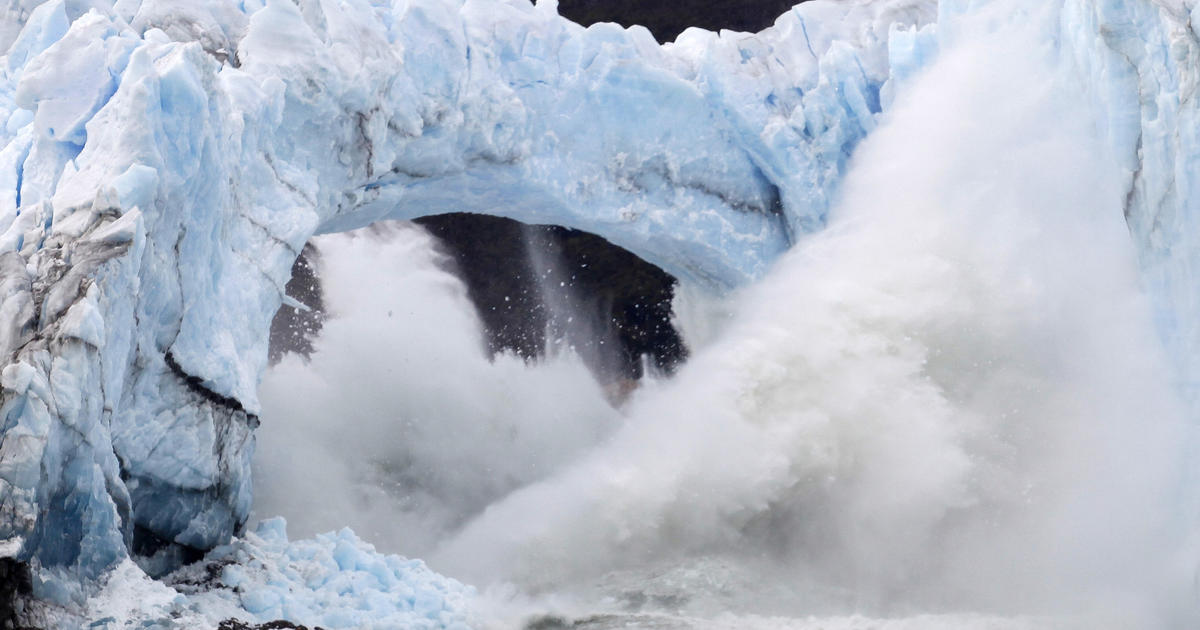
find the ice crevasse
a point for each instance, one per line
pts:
(163, 163)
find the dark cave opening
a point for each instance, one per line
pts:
(15, 587)
(523, 280)
(625, 300)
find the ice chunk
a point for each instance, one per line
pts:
(332, 581)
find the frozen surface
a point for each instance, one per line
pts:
(162, 164)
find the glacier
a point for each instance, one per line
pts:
(162, 189)
(163, 163)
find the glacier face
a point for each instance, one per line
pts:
(1142, 60)
(164, 162)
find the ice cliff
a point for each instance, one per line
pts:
(163, 163)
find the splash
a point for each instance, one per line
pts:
(950, 400)
(400, 426)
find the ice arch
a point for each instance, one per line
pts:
(163, 164)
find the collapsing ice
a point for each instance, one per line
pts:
(164, 164)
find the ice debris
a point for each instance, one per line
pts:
(333, 581)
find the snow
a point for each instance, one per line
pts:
(164, 162)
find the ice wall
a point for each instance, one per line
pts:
(1142, 62)
(164, 162)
